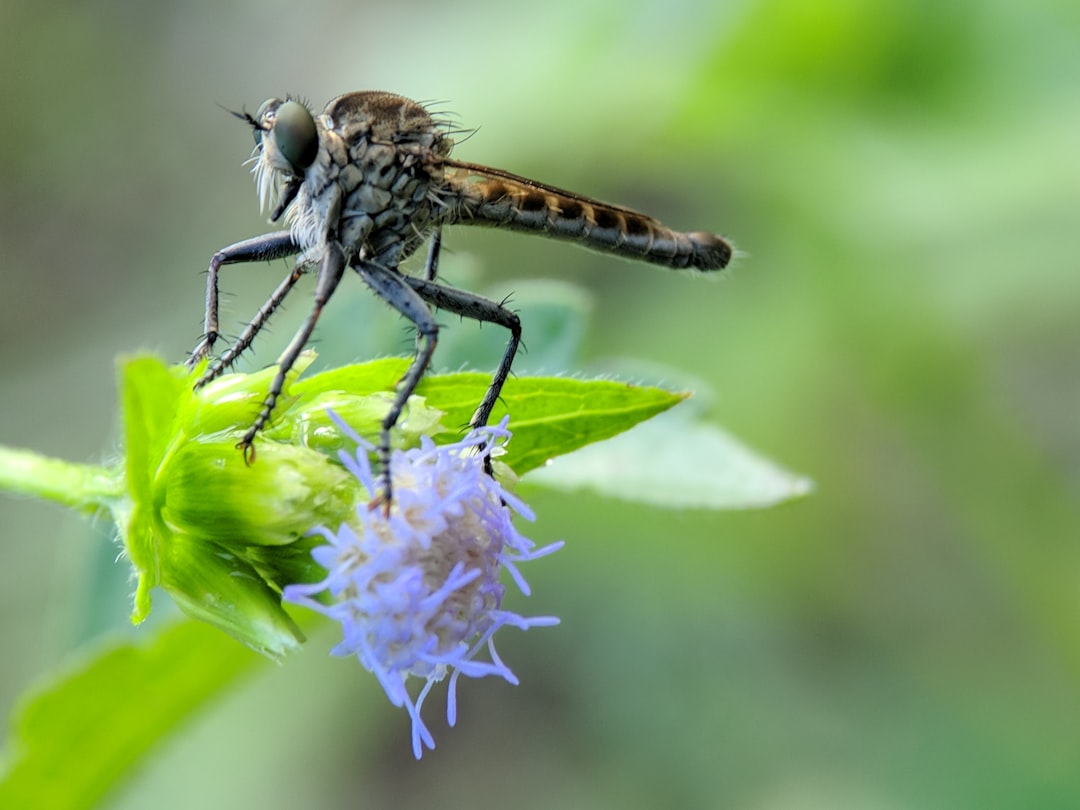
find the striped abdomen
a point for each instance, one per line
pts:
(478, 195)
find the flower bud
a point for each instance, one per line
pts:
(207, 490)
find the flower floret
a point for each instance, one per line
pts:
(417, 590)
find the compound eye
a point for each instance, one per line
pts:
(295, 134)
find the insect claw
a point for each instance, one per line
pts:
(381, 500)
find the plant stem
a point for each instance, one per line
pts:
(87, 487)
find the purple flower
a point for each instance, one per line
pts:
(417, 592)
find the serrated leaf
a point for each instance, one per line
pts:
(76, 737)
(677, 463)
(549, 416)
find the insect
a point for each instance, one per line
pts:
(364, 184)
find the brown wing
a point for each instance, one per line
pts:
(488, 172)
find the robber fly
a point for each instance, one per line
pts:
(364, 184)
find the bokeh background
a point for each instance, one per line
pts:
(904, 178)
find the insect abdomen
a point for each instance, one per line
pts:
(506, 201)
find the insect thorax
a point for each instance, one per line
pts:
(374, 183)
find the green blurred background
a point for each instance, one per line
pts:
(904, 177)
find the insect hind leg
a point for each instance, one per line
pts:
(477, 308)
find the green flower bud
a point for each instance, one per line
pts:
(309, 423)
(232, 400)
(205, 489)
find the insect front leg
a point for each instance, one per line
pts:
(260, 248)
(247, 337)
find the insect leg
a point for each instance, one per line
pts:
(478, 308)
(252, 329)
(330, 272)
(390, 286)
(260, 248)
(431, 266)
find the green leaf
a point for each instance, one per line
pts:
(76, 737)
(678, 463)
(549, 416)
